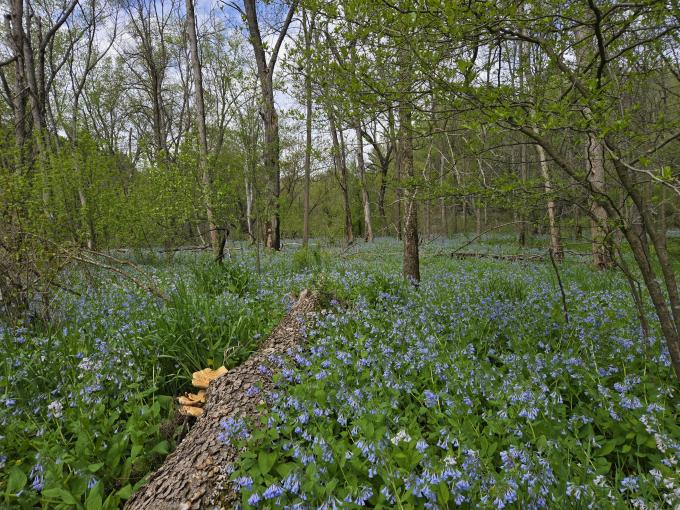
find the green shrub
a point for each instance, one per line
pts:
(307, 258)
(214, 279)
(505, 287)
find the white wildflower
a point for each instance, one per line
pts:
(600, 481)
(661, 446)
(402, 435)
(55, 409)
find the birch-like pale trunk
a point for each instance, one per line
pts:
(249, 205)
(555, 233)
(361, 166)
(599, 219)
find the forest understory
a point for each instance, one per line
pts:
(473, 390)
(482, 200)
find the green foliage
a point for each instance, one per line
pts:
(505, 287)
(80, 422)
(86, 400)
(214, 279)
(197, 330)
(83, 402)
(470, 391)
(309, 259)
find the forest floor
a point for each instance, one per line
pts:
(472, 390)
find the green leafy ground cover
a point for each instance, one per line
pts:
(471, 391)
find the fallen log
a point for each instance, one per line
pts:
(196, 474)
(497, 256)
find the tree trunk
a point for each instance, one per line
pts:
(599, 218)
(555, 234)
(249, 206)
(195, 475)
(669, 319)
(428, 220)
(524, 165)
(308, 27)
(384, 168)
(202, 136)
(523, 224)
(442, 201)
(341, 168)
(578, 229)
(465, 214)
(265, 74)
(361, 166)
(19, 96)
(272, 167)
(397, 173)
(599, 227)
(411, 257)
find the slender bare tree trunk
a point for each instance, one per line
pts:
(272, 143)
(384, 167)
(341, 168)
(667, 309)
(524, 165)
(428, 220)
(599, 218)
(249, 205)
(578, 229)
(14, 22)
(465, 214)
(464, 200)
(206, 179)
(397, 171)
(361, 166)
(411, 256)
(349, 227)
(442, 201)
(308, 27)
(555, 234)
(523, 226)
(384, 161)
(599, 227)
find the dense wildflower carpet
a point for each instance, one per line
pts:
(470, 391)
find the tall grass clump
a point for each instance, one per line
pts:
(197, 331)
(309, 259)
(213, 279)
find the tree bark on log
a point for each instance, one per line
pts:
(196, 474)
(496, 256)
